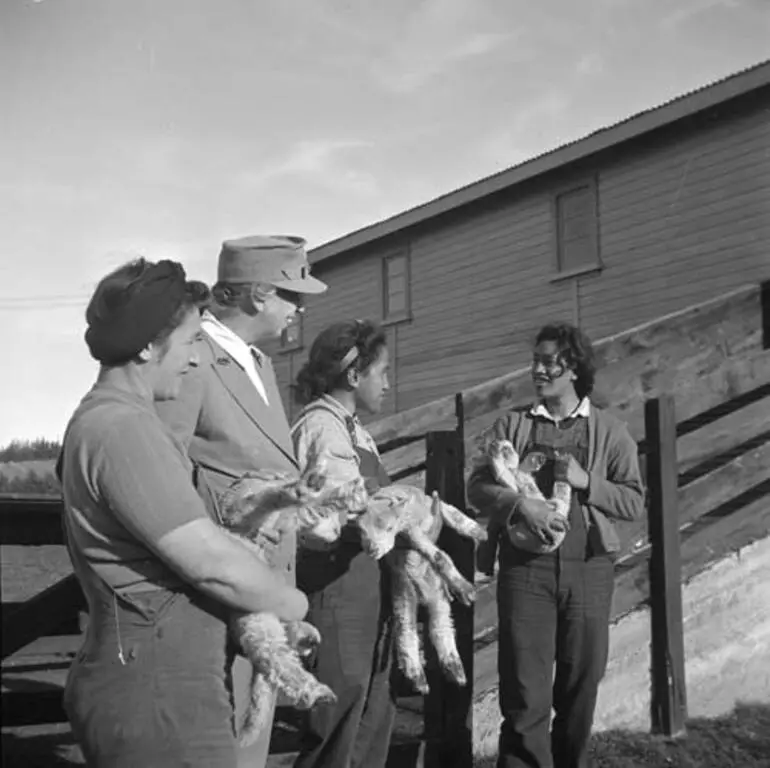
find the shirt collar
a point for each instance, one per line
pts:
(583, 409)
(227, 338)
(339, 408)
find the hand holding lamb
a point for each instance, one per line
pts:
(422, 574)
(530, 527)
(254, 507)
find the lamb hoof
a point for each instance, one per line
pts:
(318, 694)
(454, 671)
(465, 593)
(416, 676)
(325, 696)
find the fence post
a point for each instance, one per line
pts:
(668, 706)
(448, 709)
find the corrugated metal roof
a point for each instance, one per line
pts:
(705, 97)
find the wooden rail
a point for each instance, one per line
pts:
(703, 354)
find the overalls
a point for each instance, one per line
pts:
(552, 607)
(147, 688)
(350, 605)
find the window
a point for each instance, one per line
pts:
(577, 229)
(291, 337)
(395, 287)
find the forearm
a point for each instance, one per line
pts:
(620, 493)
(224, 568)
(489, 497)
(287, 603)
(618, 501)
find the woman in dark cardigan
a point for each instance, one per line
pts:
(555, 607)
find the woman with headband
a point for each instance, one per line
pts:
(346, 372)
(149, 686)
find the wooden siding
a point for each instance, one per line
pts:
(683, 217)
(355, 291)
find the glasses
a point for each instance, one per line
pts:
(553, 364)
(291, 297)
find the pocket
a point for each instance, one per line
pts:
(153, 606)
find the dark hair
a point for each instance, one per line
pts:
(139, 303)
(325, 370)
(576, 350)
(229, 294)
(230, 299)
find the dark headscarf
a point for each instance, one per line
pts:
(123, 321)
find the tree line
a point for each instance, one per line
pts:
(35, 481)
(30, 450)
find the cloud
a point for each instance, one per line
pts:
(590, 65)
(436, 36)
(522, 138)
(320, 161)
(691, 8)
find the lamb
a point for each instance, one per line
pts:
(506, 468)
(422, 574)
(277, 502)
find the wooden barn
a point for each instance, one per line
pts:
(662, 210)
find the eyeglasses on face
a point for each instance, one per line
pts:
(291, 297)
(553, 364)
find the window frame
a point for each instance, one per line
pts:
(596, 265)
(404, 315)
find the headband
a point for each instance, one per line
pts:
(350, 357)
(123, 321)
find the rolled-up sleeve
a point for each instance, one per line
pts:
(145, 480)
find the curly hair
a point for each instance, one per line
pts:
(325, 369)
(577, 352)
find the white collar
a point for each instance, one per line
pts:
(227, 338)
(243, 353)
(582, 409)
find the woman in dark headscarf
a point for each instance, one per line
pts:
(150, 685)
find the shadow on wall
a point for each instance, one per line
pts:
(738, 740)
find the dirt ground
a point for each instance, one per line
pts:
(727, 649)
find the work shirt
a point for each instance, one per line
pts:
(336, 436)
(126, 483)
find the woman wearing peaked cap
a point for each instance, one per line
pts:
(148, 687)
(229, 414)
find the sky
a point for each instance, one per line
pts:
(162, 127)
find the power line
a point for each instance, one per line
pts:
(26, 299)
(42, 306)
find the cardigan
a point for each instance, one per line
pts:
(615, 490)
